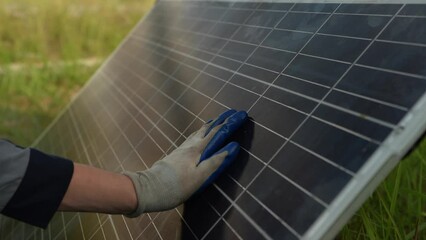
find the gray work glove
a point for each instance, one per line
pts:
(191, 167)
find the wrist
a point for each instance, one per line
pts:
(131, 204)
(138, 207)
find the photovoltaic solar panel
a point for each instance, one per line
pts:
(335, 92)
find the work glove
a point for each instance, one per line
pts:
(190, 168)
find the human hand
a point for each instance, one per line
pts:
(191, 167)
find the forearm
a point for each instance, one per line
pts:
(96, 190)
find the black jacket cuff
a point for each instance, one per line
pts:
(42, 189)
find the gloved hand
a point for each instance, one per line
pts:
(191, 167)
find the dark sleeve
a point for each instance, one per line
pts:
(41, 190)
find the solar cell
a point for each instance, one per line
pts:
(336, 92)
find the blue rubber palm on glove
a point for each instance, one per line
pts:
(190, 168)
(229, 122)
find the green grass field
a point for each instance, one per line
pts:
(42, 43)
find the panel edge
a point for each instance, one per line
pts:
(376, 169)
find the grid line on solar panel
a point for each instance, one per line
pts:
(349, 68)
(385, 70)
(148, 131)
(338, 35)
(372, 99)
(178, 80)
(404, 43)
(174, 102)
(316, 100)
(391, 71)
(85, 149)
(396, 72)
(340, 10)
(276, 214)
(249, 219)
(269, 160)
(147, 135)
(89, 146)
(344, 14)
(83, 126)
(76, 129)
(172, 99)
(284, 177)
(148, 99)
(121, 169)
(406, 30)
(414, 10)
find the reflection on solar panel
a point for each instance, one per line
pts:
(336, 92)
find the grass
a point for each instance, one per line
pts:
(31, 98)
(397, 209)
(35, 31)
(36, 34)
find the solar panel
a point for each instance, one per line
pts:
(336, 93)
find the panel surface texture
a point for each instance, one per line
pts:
(325, 86)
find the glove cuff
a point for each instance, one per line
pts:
(138, 187)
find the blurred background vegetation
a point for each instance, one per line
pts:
(50, 48)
